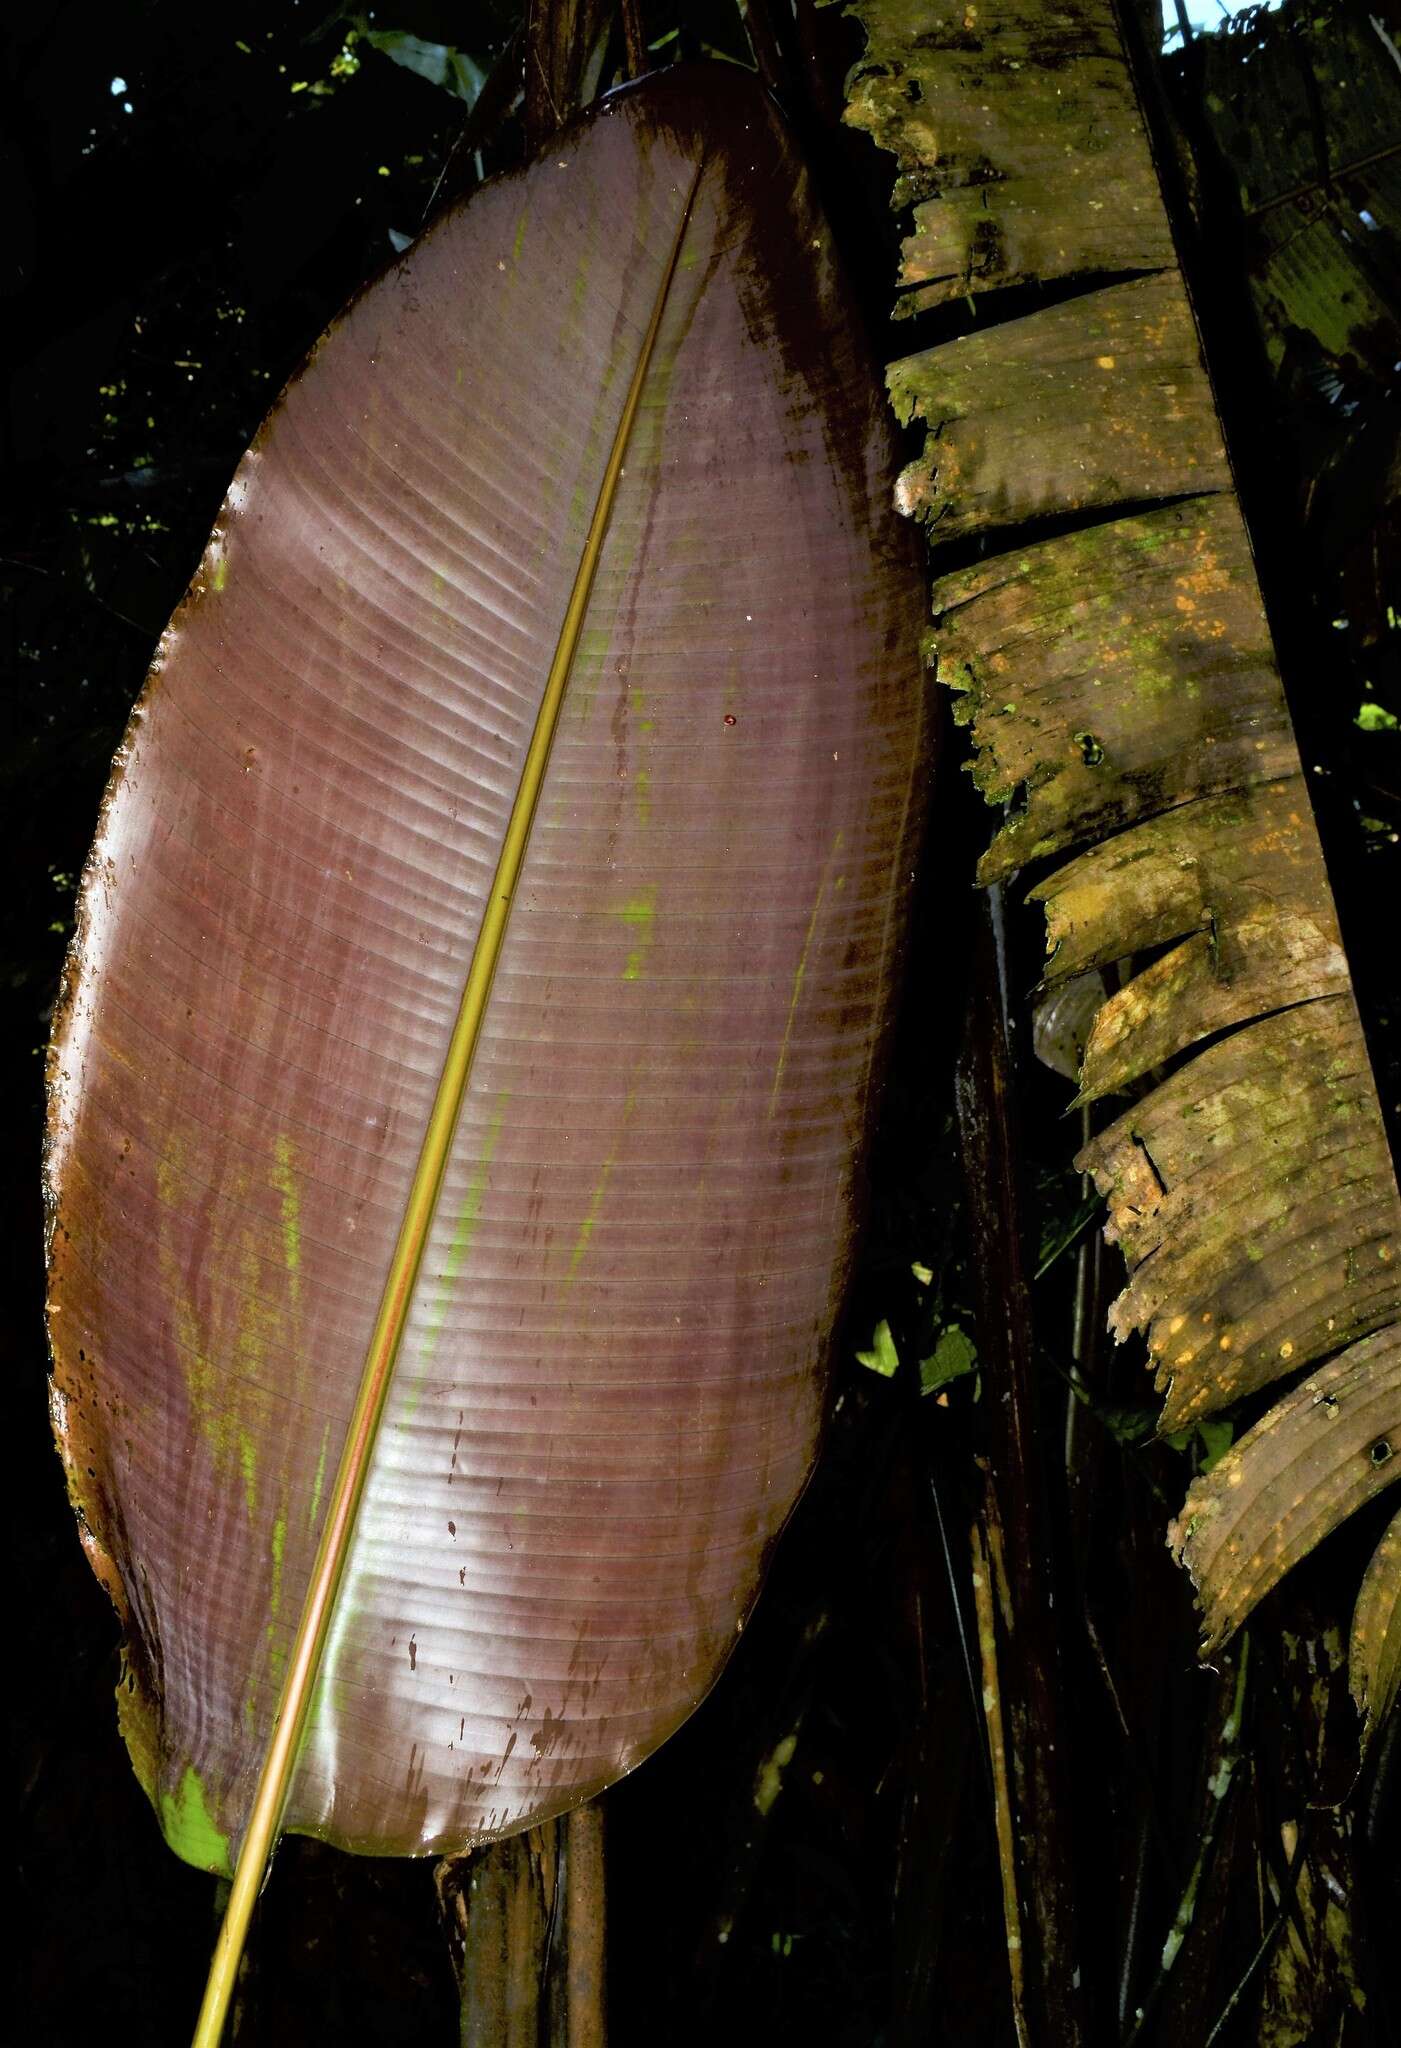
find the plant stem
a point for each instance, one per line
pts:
(525, 1925)
(1001, 1788)
(1018, 1502)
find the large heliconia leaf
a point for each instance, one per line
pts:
(608, 1389)
(1126, 709)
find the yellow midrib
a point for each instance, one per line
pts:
(280, 1762)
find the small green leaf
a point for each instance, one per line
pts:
(882, 1356)
(1063, 1232)
(1216, 1439)
(954, 1355)
(1129, 1425)
(1376, 718)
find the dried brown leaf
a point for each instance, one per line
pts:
(1111, 675)
(1123, 696)
(999, 180)
(1250, 1195)
(1329, 1446)
(1100, 401)
(1374, 1652)
(1239, 882)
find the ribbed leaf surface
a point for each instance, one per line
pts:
(609, 1389)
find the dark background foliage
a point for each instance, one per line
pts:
(191, 194)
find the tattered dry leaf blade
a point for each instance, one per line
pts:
(1320, 1453)
(608, 1394)
(1111, 675)
(1255, 1207)
(1374, 1652)
(1096, 402)
(1124, 697)
(1239, 881)
(991, 177)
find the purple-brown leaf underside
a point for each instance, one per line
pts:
(609, 1392)
(1127, 714)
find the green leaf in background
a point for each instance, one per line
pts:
(439, 63)
(882, 1356)
(954, 1355)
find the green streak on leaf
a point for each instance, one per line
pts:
(248, 1464)
(225, 1417)
(467, 1222)
(279, 1551)
(276, 1651)
(581, 1244)
(318, 1482)
(800, 974)
(586, 1228)
(189, 1828)
(284, 1180)
(463, 1234)
(594, 643)
(637, 915)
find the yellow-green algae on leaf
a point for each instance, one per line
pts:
(188, 1827)
(586, 1228)
(463, 1234)
(314, 1507)
(284, 1180)
(637, 915)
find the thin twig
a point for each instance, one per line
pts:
(1218, 1787)
(498, 97)
(1267, 1942)
(1001, 1788)
(974, 1689)
(763, 41)
(1040, 1724)
(638, 61)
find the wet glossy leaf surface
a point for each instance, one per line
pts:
(610, 1387)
